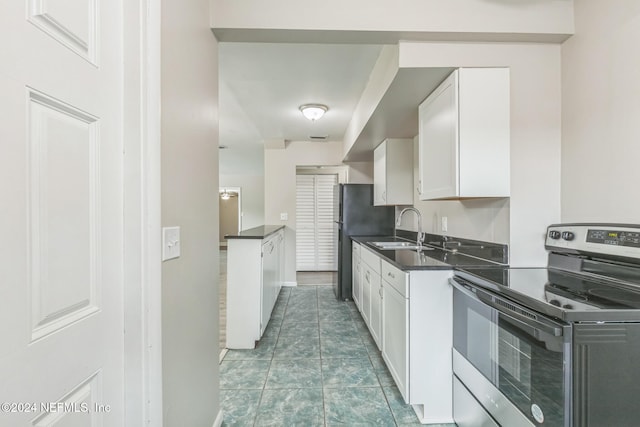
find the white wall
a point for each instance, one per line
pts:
(535, 147)
(601, 114)
(360, 173)
(252, 197)
(190, 200)
(467, 18)
(280, 186)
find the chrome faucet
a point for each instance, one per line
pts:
(420, 237)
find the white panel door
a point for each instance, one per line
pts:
(315, 246)
(61, 268)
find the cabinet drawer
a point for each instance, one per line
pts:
(371, 259)
(396, 278)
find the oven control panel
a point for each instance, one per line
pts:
(607, 239)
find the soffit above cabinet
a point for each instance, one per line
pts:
(400, 91)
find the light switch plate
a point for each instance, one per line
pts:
(170, 243)
(445, 223)
(284, 216)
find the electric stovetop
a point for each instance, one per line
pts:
(561, 294)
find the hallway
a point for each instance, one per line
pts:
(315, 366)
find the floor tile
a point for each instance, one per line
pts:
(342, 347)
(291, 407)
(301, 316)
(305, 329)
(273, 330)
(294, 373)
(357, 406)
(243, 374)
(295, 346)
(384, 377)
(264, 350)
(348, 373)
(402, 413)
(239, 406)
(334, 316)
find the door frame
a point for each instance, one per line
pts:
(142, 241)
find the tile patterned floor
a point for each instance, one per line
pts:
(316, 365)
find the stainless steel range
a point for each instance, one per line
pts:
(555, 346)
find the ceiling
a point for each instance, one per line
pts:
(262, 85)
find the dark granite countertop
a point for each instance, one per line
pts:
(433, 259)
(255, 233)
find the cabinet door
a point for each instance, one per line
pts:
(375, 321)
(438, 142)
(356, 279)
(395, 336)
(380, 175)
(269, 272)
(365, 309)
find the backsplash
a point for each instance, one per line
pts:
(495, 252)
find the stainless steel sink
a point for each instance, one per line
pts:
(394, 246)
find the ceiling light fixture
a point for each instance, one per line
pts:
(225, 195)
(313, 111)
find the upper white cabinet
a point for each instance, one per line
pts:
(464, 136)
(393, 172)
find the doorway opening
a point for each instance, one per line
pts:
(230, 223)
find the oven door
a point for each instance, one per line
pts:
(512, 359)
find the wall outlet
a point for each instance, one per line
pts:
(170, 243)
(444, 223)
(284, 216)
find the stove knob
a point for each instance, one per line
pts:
(568, 306)
(555, 235)
(567, 235)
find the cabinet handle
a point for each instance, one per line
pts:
(368, 277)
(418, 187)
(384, 195)
(380, 291)
(391, 275)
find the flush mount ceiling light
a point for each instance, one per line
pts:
(313, 111)
(225, 195)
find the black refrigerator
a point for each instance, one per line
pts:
(355, 215)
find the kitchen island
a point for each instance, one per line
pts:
(255, 273)
(406, 301)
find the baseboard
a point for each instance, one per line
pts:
(290, 284)
(223, 353)
(219, 419)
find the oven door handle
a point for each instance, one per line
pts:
(488, 299)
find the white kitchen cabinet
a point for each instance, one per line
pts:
(356, 275)
(255, 273)
(370, 309)
(270, 278)
(464, 136)
(413, 327)
(365, 309)
(395, 336)
(393, 172)
(395, 325)
(375, 317)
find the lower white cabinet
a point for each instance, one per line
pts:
(375, 317)
(409, 315)
(255, 273)
(356, 275)
(365, 308)
(395, 336)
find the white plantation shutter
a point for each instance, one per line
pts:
(315, 247)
